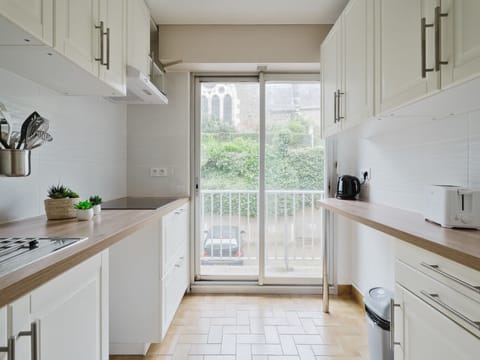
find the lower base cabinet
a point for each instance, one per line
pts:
(66, 318)
(148, 279)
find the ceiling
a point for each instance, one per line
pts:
(246, 11)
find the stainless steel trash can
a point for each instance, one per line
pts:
(377, 308)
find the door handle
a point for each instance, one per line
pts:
(107, 34)
(101, 28)
(438, 38)
(424, 26)
(33, 339)
(392, 324)
(335, 107)
(10, 348)
(339, 99)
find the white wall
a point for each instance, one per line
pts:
(240, 44)
(404, 155)
(159, 136)
(88, 152)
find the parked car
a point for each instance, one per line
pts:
(222, 246)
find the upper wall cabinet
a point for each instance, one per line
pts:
(138, 24)
(87, 55)
(459, 46)
(422, 47)
(404, 52)
(33, 16)
(347, 69)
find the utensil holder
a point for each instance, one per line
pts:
(15, 163)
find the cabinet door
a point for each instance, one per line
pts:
(75, 34)
(428, 334)
(71, 312)
(398, 33)
(3, 332)
(358, 60)
(114, 17)
(34, 16)
(331, 72)
(138, 35)
(461, 40)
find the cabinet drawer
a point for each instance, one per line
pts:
(175, 235)
(174, 285)
(462, 309)
(459, 277)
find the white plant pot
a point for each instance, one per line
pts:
(84, 214)
(97, 209)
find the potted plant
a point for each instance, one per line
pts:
(96, 201)
(84, 210)
(60, 202)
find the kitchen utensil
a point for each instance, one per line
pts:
(38, 140)
(23, 131)
(4, 130)
(36, 125)
(14, 138)
(348, 187)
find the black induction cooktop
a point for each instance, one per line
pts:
(137, 203)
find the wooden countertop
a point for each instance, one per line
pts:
(102, 231)
(462, 246)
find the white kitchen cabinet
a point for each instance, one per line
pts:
(148, 278)
(435, 300)
(398, 44)
(347, 69)
(66, 318)
(358, 57)
(460, 45)
(332, 78)
(33, 16)
(138, 35)
(114, 14)
(424, 333)
(77, 32)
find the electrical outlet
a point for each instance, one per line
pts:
(362, 174)
(156, 172)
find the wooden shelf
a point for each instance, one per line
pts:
(462, 246)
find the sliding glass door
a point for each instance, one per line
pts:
(259, 170)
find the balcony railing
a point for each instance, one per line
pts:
(231, 227)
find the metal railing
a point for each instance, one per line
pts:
(293, 228)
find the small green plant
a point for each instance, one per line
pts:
(95, 200)
(60, 191)
(83, 205)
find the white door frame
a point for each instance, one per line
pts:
(261, 279)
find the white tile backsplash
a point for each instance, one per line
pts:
(159, 136)
(403, 159)
(88, 152)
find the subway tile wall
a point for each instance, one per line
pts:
(88, 152)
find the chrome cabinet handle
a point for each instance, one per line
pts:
(436, 299)
(33, 339)
(437, 269)
(10, 348)
(438, 38)
(107, 64)
(424, 26)
(392, 324)
(335, 107)
(339, 96)
(101, 28)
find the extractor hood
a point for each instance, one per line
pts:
(140, 90)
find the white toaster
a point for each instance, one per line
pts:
(452, 206)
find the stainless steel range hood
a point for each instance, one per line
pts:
(140, 90)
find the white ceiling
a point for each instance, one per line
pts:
(246, 11)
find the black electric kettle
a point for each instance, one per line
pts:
(348, 187)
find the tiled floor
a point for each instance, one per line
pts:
(264, 327)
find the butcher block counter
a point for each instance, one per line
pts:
(102, 231)
(462, 246)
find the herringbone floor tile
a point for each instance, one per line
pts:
(263, 327)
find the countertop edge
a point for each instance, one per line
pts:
(24, 280)
(436, 247)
